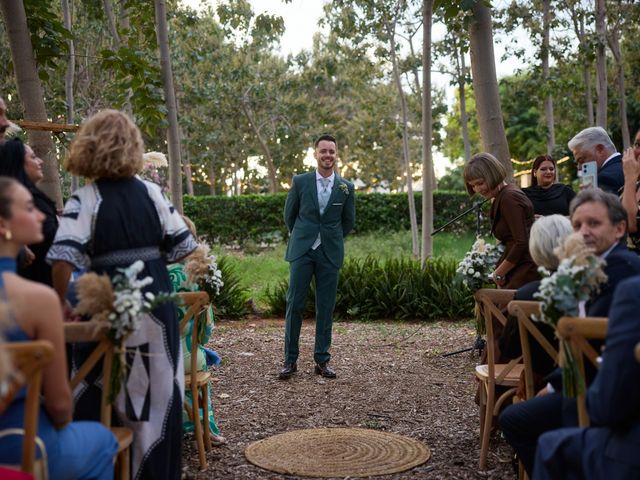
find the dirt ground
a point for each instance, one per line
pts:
(391, 377)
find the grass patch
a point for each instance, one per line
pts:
(262, 271)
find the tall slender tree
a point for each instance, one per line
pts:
(173, 134)
(485, 85)
(427, 133)
(31, 93)
(601, 63)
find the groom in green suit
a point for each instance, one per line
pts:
(320, 211)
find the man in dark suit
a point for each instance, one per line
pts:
(594, 145)
(319, 212)
(600, 218)
(610, 448)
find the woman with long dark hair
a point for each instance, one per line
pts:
(18, 161)
(547, 196)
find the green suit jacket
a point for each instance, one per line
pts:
(303, 219)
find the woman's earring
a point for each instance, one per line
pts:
(7, 235)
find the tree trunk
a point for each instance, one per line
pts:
(175, 176)
(31, 93)
(427, 134)
(548, 99)
(464, 120)
(601, 64)
(614, 45)
(111, 21)
(405, 142)
(273, 182)
(68, 79)
(186, 165)
(418, 90)
(578, 27)
(212, 178)
(485, 86)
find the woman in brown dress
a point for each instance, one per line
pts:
(511, 219)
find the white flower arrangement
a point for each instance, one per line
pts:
(579, 276)
(202, 269)
(120, 303)
(155, 159)
(344, 188)
(478, 263)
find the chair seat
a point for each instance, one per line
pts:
(510, 380)
(201, 378)
(123, 435)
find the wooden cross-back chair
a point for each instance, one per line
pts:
(78, 332)
(28, 359)
(523, 311)
(492, 374)
(577, 331)
(196, 304)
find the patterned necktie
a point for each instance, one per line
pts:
(324, 194)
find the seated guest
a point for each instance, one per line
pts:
(599, 217)
(547, 196)
(547, 233)
(594, 145)
(18, 160)
(182, 282)
(74, 449)
(631, 193)
(610, 447)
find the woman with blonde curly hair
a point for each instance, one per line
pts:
(110, 223)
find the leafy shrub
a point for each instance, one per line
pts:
(371, 289)
(232, 300)
(259, 218)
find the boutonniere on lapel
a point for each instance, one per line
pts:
(344, 188)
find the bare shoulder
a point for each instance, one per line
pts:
(26, 296)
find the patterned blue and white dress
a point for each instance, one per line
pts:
(106, 225)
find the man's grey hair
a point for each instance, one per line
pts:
(547, 233)
(615, 210)
(588, 138)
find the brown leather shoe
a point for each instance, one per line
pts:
(287, 371)
(325, 370)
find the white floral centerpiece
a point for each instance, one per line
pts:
(120, 304)
(579, 276)
(478, 263)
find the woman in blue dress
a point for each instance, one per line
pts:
(74, 450)
(110, 223)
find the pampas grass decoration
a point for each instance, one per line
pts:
(197, 264)
(95, 296)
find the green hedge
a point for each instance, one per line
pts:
(260, 217)
(372, 289)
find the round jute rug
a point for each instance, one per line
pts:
(337, 452)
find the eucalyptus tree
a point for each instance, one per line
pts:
(254, 37)
(537, 17)
(485, 84)
(601, 63)
(30, 89)
(621, 16)
(427, 133)
(374, 23)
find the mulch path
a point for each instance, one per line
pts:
(391, 377)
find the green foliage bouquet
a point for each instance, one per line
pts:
(475, 268)
(579, 276)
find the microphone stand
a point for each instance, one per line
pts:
(479, 343)
(475, 207)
